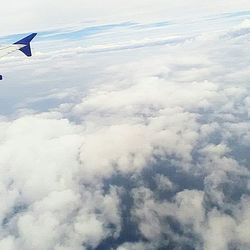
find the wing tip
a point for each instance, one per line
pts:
(26, 41)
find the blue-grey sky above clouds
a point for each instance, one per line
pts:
(128, 128)
(27, 15)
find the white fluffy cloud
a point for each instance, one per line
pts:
(181, 114)
(43, 201)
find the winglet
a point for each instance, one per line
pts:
(26, 41)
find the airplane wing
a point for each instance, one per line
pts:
(23, 45)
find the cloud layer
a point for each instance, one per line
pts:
(153, 154)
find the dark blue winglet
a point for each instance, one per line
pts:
(26, 41)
